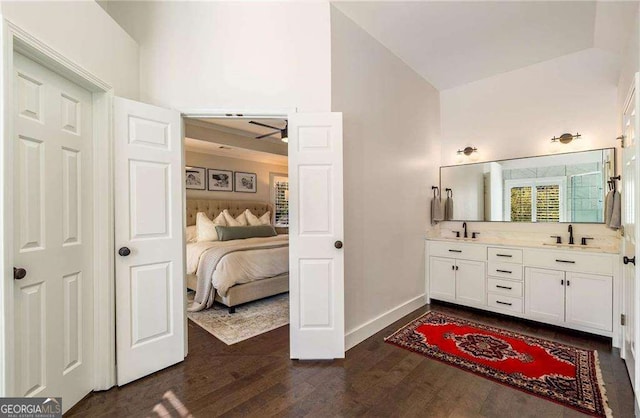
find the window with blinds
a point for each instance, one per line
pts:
(281, 203)
(548, 203)
(521, 204)
(535, 203)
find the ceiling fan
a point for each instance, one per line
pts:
(284, 132)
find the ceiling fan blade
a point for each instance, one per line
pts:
(269, 134)
(265, 125)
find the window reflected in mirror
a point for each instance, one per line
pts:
(567, 187)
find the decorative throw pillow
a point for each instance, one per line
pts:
(191, 234)
(253, 220)
(241, 232)
(206, 228)
(220, 220)
(241, 220)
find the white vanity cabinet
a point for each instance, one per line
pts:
(457, 273)
(568, 298)
(572, 288)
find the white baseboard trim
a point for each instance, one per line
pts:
(366, 330)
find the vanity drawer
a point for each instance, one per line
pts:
(505, 255)
(506, 270)
(508, 303)
(570, 261)
(505, 287)
(456, 250)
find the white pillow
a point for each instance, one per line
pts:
(191, 234)
(255, 221)
(206, 228)
(241, 220)
(220, 221)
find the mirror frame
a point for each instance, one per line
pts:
(615, 171)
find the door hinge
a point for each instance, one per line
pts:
(622, 230)
(623, 319)
(621, 138)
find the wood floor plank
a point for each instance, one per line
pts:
(256, 378)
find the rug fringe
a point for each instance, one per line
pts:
(603, 392)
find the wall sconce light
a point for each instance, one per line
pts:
(467, 151)
(565, 138)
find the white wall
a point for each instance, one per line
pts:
(630, 65)
(231, 55)
(391, 158)
(262, 170)
(515, 114)
(85, 34)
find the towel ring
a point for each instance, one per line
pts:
(449, 192)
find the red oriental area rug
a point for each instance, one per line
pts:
(561, 373)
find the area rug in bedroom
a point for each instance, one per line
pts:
(249, 320)
(561, 373)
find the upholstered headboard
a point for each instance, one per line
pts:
(213, 207)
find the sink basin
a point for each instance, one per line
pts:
(580, 247)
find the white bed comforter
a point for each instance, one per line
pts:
(219, 265)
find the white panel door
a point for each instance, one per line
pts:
(589, 300)
(316, 264)
(53, 238)
(630, 216)
(544, 294)
(442, 278)
(149, 240)
(471, 286)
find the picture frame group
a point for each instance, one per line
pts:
(217, 180)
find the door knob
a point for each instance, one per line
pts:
(19, 273)
(124, 251)
(628, 260)
(338, 244)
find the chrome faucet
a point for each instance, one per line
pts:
(464, 225)
(570, 235)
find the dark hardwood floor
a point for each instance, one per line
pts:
(256, 378)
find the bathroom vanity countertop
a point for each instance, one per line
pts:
(593, 247)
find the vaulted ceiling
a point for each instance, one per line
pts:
(454, 43)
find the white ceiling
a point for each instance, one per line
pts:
(454, 43)
(221, 150)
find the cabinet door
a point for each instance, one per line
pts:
(471, 282)
(544, 294)
(590, 300)
(442, 278)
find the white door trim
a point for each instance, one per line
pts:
(16, 39)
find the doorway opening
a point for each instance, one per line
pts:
(237, 220)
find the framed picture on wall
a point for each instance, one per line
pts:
(195, 178)
(246, 182)
(220, 180)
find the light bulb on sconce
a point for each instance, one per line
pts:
(467, 151)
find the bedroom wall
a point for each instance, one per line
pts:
(85, 34)
(515, 114)
(391, 157)
(231, 55)
(262, 170)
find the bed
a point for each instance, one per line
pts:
(239, 271)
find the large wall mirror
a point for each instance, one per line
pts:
(567, 187)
